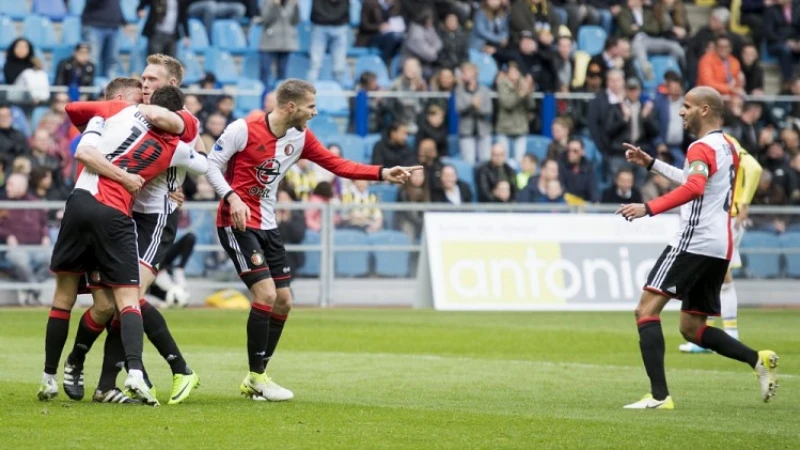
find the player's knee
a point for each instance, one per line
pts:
(265, 297)
(103, 311)
(283, 302)
(689, 330)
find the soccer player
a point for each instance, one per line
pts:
(97, 234)
(746, 184)
(156, 217)
(258, 151)
(693, 266)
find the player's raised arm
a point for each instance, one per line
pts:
(80, 113)
(702, 164)
(195, 163)
(88, 155)
(635, 155)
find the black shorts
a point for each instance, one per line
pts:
(694, 279)
(97, 239)
(257, 255)
(156, 233)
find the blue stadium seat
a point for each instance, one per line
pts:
(355, 13)
(374, 64)
(249, 102)
(8, 32)
(661, 64)
(590, 149)
(71, 30)
(465, 170)
(60, 53)
(487, 67)
(228, 35)
(19, 120)
(254, 36)
(386, 193)
(350, 263)
(126, 43)
(76, 7)
(52, 9)
(252, 66)
(324, 125)
(352, 50)
(311, 265)
(138, 56)
(39, 30)
(391, 263)
(326, 72)
(37, 115)
(591, 39)
(352, 146)
(331, 99)
(762, 265)
(222, 65)
(453, 146)
(194, 71)
(304, 36)
(537, 145)
(129, 10)
(305, 9)
(369, 143)
(790, 240)
(396, 66)
(297, 66)
(198, 36)
(15, 9)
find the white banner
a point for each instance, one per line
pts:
(580, 262)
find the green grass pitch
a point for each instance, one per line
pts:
(417, 379)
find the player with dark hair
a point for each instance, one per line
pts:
(693, 267)
(258, 151)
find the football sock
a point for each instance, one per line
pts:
(719, 341)
(55, 338)
(88, 332)
(276, 323)
(729, 303)
(158, 333)
(113, 357)
(257, 336)
(132, 336)
(651, 343)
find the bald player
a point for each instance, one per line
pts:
(693, 266)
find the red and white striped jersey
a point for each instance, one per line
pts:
(129, 141)
(257, 160)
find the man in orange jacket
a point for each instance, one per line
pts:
(721, 70)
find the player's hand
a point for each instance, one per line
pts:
(632, 211)
(240, 213)
(635, 155)
(399, 174)
(133, 183)
(178, 197)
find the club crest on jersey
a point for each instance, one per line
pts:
(288, 150)
(268, 171)
(257, 259)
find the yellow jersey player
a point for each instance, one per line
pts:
(746, 183)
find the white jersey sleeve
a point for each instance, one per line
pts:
(92, 134)
(232, 141)
(672, 173)
(186, 158)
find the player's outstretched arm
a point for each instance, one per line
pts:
(163, 119)
(80, 113)
(185, 157)
(635, 155)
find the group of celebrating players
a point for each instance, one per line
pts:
(138, 145)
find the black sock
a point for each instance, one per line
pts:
(257, 336)
(651, 343)
(132, 336)
(55, 338)
(88, 332)
(721, 342)
(158, 333)
(113, 358)
(276, 323)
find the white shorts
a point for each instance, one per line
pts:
(736, 259)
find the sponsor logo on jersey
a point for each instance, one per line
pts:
(288, 150)
(257, 259)
(287, 269)
(218, 145)
(268, 171)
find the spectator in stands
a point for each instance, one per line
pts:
(42, 147)
(515, 105)
(101, 20)
(415, 191)
(12, 141)
(25, 227)
(164, 25)
(225, 108)
(539, 64)
(648, 33)
(368, 217)
(537, 185)
(579, 12)
(453, 191)
(194, 106)
(599, 108)
(777, 163)
(631, 121)
(656, 186)
(210, 10)
(41, 184)
(782, 32)
(770, 194)
(432, 126)
(19, 57)
(668, 103)
(578, 109)
(527, 170)
(431, 163)
(279, 38)
(423, 43)
(743, 128)
(698, 44)
(616, 54)
(721, 70)
(753, 72)
(291, 227)
(393, 150)
(474, 104)
(322, 194)
(564, 64)
(752, 14)
(444, 82)
(78, 69)
(215, 125)
(303, 178)
(492, 172)
(560, 132)
(22, 165)
(533, 16)
(623, 190)
(406, 108)
(209, 81)
(33, 85)
(331, 19)
(576, 173)
(455, 43)
(553, 193)
(791, 141)
(62, 133)
(381, 27)
(490, 27)
(368, 81)
(674, 18)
